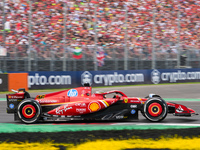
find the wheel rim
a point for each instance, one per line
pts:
(28, 111)
(155, 109)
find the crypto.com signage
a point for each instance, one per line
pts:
(70, 79)
(175, 75)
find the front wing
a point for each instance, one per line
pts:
(180, 110)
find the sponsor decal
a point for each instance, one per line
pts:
(61, 111)
(13, 100)
(40, 97)
(55, 116)
(133, 106)
(134, 101)
(72, 93)
(76, 116)
(94, 106)
(179, 109)
(133, 111)
(69, 116)
(86, 77)
(126, 100)
(48, 101)
(155, 76)
(80, 104)
(119, 117)
(80, 110)
(11, 106)
(15, 97)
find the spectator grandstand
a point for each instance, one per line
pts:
(113, 31)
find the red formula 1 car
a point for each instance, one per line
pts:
(81, 104)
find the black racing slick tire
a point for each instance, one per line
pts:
(29, 111)
(155, 109)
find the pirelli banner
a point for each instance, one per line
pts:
(70, 79)
(13, 81)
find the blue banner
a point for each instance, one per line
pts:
(69, 79)
(174, 75)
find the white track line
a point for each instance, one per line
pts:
(162, 124)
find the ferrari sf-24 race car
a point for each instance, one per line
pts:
(81, 104)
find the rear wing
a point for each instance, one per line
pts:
(14, 99)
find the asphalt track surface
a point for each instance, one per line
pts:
(180, 91)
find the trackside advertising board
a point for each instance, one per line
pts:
(3, 82)
(38, 80)
(13, 81)
(70, 79)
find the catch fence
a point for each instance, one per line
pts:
(68, 35)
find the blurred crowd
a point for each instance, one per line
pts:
(119, 24)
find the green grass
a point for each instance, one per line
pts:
(52, 90)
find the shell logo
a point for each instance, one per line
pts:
(94, 106)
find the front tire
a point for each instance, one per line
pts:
(29, 111)
(155, 109)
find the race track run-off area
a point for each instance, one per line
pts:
(172, 133)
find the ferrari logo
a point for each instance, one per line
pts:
(125, 100)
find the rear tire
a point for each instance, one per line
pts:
(155, 109)
(29, 111)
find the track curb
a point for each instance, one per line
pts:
(16, 128)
